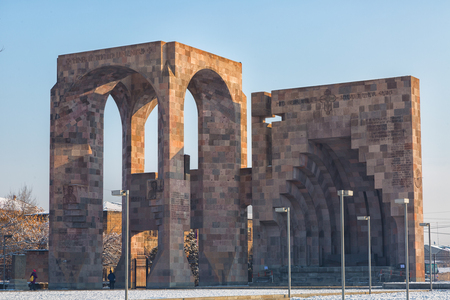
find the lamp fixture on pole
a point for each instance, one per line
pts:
(288, 211)
(367, 218)
(405, 201)
(342, 194)
(429, 247)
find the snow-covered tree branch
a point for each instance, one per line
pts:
(191, 251)
(112, 248)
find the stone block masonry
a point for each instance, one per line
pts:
(139, 77)
(361, 136)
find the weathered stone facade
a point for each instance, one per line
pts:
(363, 136)
(37, 260)
(139, 77)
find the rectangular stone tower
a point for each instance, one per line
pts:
(361, 136)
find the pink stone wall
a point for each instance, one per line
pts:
(37, 260)
(138, 77)
(361, 136)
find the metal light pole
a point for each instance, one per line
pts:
(7, 236)
(429, 245)
(342, 194)
(367, 218)
(435, 263)
(405, 201)
(282, 210)
(127, 230)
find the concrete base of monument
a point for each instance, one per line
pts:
(18, 284)
(167, 285)
(75, 286)
(328, 276)
(416, 285)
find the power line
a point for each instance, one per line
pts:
(437, 212)
(441, 227)
(440, 233)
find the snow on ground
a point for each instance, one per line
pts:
(413, 295)
(444, 270)
(164, 294)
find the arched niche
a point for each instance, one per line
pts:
(76, 173)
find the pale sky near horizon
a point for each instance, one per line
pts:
(282, 44)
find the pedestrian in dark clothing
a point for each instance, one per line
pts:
(112, 279)
(33, 278)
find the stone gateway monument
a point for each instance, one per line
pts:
(361, 136)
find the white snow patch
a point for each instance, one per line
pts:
(191, 293)
(112, 206)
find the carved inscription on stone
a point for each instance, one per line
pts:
(383, 130)
(402, 169)
(180, 206)
(111, 55)
(389, 131)
(69, 196)
(155, 187)
(75, 213)
(418, 178)
(328, 98)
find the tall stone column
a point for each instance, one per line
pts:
(76, 183)
(262, 182)
(170, 267)
(218, 211)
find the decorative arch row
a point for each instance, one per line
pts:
(329, 166)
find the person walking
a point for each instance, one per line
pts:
(112, 279)
(33, 278)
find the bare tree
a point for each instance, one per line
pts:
(191, 251)
(112, 248)
(150, 253)
(25, 223)
(22, 200)
(29, 232)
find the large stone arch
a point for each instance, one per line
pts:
(77, 168)
(137, 77)
(217, 204)
(304, 217)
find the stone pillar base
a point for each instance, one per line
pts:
(18, 284)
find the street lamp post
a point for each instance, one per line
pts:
(429, 245)
(126, 193)
(7, 236)
(342, 194)
(367, 218)
(288, 211)
(405, 201)
(434, 264)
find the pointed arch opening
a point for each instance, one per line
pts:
(151, 142)
(112, 180)
(219, 171)
(112, 145)
(191, 129)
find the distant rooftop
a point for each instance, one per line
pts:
(112, 206)
(6, 203)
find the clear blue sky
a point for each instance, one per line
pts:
(281, 44)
